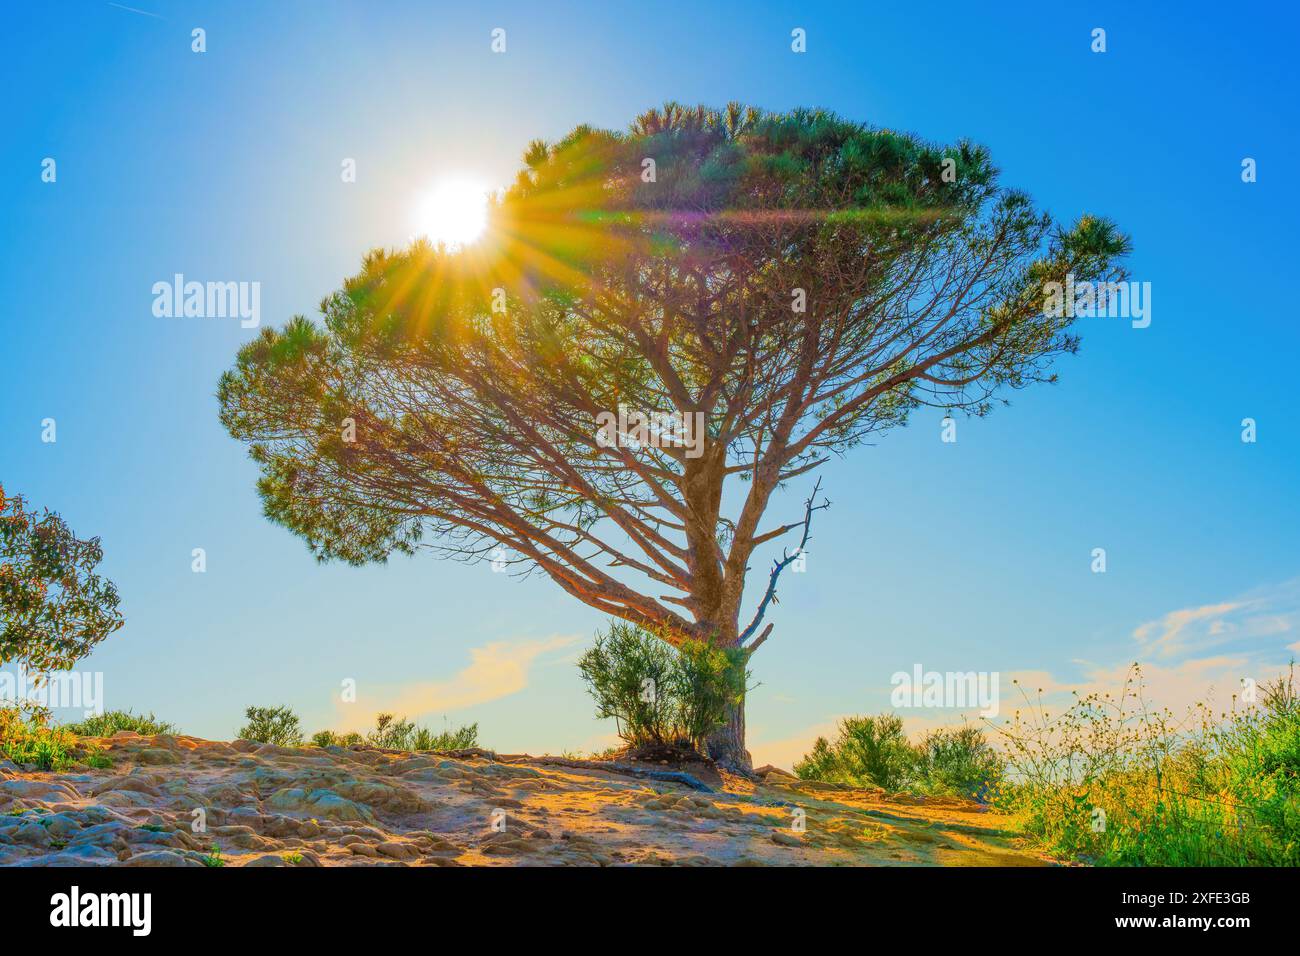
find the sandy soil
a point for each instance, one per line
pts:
(167, 801)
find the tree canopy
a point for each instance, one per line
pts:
(53, 607)
(800, 281)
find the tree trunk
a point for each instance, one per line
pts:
(726, 745)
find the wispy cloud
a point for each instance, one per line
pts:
(1261, 614)
(1169, 635)
(495, 670)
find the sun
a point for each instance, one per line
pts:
(453, 211)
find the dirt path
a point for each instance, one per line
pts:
(263, 805)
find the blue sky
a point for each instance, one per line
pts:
(968, 556)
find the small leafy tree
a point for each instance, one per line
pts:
(272, 725)
(659, 695)
(53, 607)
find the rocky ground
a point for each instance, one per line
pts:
(182, 801)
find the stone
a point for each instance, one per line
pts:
(159, 858)
(157, 756)
(73, 856)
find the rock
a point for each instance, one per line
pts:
(320, 803)
(270, 859)
(249, 816)
(32, 834)
(239, 836)
(398, 851)
(383, 796)
(157, 756)
(114, 832)
(43, 790)
(73, 856)
(159, 858)
(786, 839)
(62, 824)
(126, 798)
(274, 750)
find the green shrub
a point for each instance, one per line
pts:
(393, 734)
(958, 762)
(26, 737)
(105, 725)
(819, 764)
(328, 738)
(462, 738)
(706, 683)
(869, 751)
(628, 671)
(272, 725)
(659, 695)
(874, 751)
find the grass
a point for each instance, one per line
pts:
(105, 725)
(401, 734)
(1109, 780)
(1115, 782)
(213, 859)
(404, 735)
(26, 737)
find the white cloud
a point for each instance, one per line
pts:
(1242, 622)
(1166, 637)
(496, 670)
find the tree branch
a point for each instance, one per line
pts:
(770, 594)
